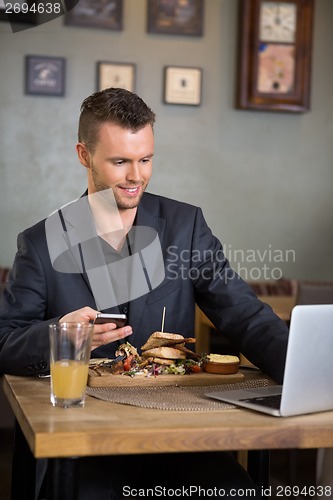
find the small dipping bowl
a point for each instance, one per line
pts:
(222, 364)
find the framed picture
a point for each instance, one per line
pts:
(111, 74)
(176, 17)
(274, 66)
(104, 14)
(45, 75)
(22, 11)
(182, 85)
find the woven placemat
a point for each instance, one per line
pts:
(172, 397)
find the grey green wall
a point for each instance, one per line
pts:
(264, 180)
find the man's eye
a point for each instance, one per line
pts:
(145, 160)
(119, 162)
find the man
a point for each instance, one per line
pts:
(50, 283)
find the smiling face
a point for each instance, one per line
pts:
(121, 160)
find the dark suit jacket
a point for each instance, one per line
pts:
(196, 271)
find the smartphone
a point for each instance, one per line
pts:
(118, 319)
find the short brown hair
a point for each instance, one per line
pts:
(115, 105)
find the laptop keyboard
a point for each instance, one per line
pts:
(270, 401)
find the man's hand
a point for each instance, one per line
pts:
(103, 334)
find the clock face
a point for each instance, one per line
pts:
(277, 22)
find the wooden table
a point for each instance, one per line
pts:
(102, 428)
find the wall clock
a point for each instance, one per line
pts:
(274, 55)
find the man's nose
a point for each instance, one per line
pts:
(133, 173)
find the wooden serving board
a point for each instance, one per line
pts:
(106, 379)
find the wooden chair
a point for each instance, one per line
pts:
(4, 273)
(281, 303)
(203, 328)
(256, 462)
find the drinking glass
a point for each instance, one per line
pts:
(70, 345)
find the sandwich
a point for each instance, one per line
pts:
(168, 351)
(158, 339)
(165, 348)
(162, 353)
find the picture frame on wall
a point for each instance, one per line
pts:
(45, 75)
(182, 85)
(274, 62)
(175, 17)
(102, 14)
(114, 74)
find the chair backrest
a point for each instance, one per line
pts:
(314, 292)
(282, 286)
(202, 331)
(4, 273)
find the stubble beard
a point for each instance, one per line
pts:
(99, 185)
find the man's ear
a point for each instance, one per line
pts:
(83, 154)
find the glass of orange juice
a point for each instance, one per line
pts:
(70, 345)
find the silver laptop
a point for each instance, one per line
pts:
(308, 377)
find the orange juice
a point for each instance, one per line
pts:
(69, 379)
